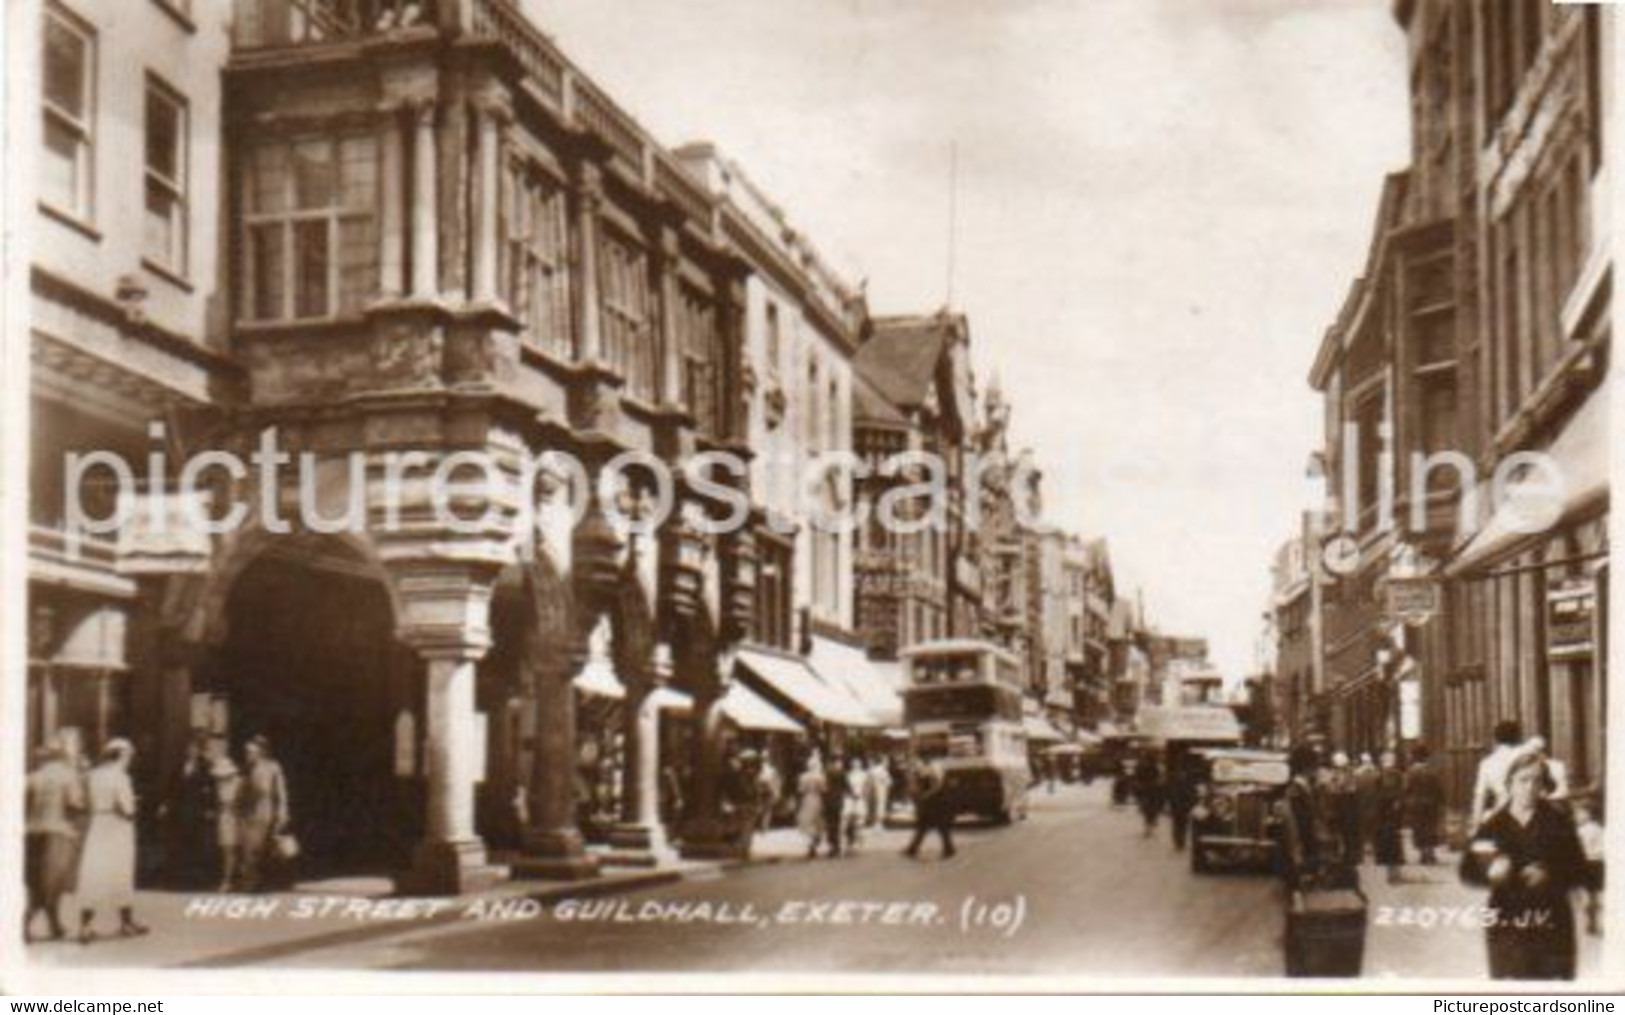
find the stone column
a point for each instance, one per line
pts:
(589, 326)
(488, 156)
(391, 192)
(705, 835)
(451, 859)
(640, 838)
(671, 355)
(553, 846)
(425, 206)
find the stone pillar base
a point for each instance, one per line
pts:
(639, 845)
(448, 868)
(554, 856)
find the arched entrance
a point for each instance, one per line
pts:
(310, 660)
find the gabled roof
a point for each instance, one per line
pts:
(902, 356)
(871, 407)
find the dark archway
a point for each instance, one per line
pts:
(310, 661)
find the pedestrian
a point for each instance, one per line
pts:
(1343, 808)
(107, 868)
(1149, 791)
(191, 813)
(1389, 816)
(54, 799)
(1424, 804)
(228, 781)
(1366, 793)
(1305, 826)
(880, 782)
(769, 787)
(838, 787)
(739, 799)
(1557, 788)
(859, 801)
(1182, 796)
(1529, 854)
(671, 795)
(1588, 826)
(810, 791)
(932, 811)
(263, 814)
(1489, 787)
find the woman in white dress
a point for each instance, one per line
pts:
(107, 871)
(811, 788)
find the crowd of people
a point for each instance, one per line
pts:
(228, 826)
(1531, 840)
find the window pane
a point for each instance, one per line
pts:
(358, 264)
(314, 176)
(162, 231)
(310, 269)
(66, 59)
(270, 179)
(163, 135)
(59, 167)
(358, 160)
(265, 250)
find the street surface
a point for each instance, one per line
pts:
(1092, 896)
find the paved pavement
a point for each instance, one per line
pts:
(1076, 889)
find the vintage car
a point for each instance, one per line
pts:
(1237, 815)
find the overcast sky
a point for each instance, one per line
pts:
(1161, 204)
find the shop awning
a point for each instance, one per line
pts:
(1041, 730)
(747, 710)
(874, 684)
(1580, 453)
(668, 699)
(793, 678)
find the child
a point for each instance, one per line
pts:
(1590, 832)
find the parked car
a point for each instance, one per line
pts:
(1237, 818)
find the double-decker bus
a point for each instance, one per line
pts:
(963, 705)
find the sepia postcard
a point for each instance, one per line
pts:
(768, 495)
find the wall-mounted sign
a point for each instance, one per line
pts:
(1411, 601)
(1571, 618)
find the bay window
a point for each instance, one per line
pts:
(627, 332)
(696, 329)
(535, 247)
(310, 228)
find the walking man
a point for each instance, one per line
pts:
(931, 812)
(838, 787)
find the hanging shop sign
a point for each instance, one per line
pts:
(1571, 618)
(1411, 601)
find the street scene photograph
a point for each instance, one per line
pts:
(807, 494)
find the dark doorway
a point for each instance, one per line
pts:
(311, 662)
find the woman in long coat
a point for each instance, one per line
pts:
(1529, 853)
(1148, 789)
(811, 789)
(107, 870)
(1390, 816)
